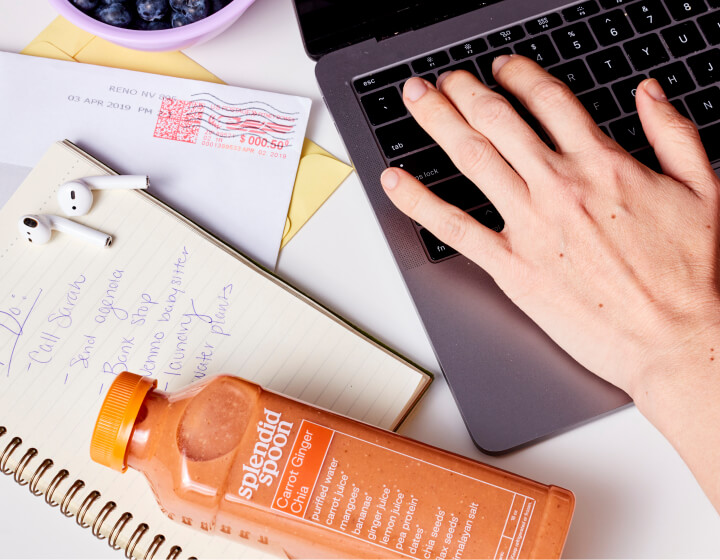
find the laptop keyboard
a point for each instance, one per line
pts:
(602, 49)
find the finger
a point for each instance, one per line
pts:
(674, 138)
(470, 151)
(493, 116)
(448, 223)
(551, 102)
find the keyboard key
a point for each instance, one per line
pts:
(574, 40)
(607, 4)
(625, 91)
(506, 36)
(580, 11)
(647, 15)
(648, 158)
(683, 39)
(437, 250)
(628, 132)
(683, 9)
(430, 62)
(485, 61)
(646, 52)
(609, 65)
(489, 217)
(540, 49)
(704, 105)
(710, 137)
(611, 27)
(706, 67)
(382, 78)
(710, 25)
(468, 48)
(467, 65)
(461, 192)
(543, 23)
(600, 104)
(402, 137)
(674, 79)
(428, 166)
(383, 105)
(575, 75)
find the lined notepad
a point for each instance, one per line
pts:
(168, 301)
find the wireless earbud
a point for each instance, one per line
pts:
(38, 229)
(75, 197)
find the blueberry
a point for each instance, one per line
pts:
(151, 10)
(179, 19)
(85, 4)
(114, 14)
(193, 10)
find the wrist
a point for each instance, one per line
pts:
(679, 367)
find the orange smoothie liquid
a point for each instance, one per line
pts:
(226, 456)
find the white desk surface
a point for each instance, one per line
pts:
(635, 497)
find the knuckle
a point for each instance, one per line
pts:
(549, 93)
(452, 229)
(490, 111)
(474, 155)
(679, 126)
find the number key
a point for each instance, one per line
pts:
(611, 27)
(683, 9)
(574, 40)
(540, 49)
(647, 15)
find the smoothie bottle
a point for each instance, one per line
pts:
(227, 457)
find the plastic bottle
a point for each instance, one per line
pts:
(228, 457)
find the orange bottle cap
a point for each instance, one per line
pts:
(116, 419)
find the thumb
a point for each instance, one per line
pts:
(674, 138)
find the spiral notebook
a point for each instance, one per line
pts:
(169, 301)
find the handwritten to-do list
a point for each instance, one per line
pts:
(168, 302)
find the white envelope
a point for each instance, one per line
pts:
(225, 157)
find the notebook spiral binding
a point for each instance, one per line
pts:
(64, 502)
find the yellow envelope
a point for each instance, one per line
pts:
(319, 173)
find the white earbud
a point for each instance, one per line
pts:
(38, 229)
(75, 197)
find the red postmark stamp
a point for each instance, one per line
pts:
(207, 117)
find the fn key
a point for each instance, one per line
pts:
(436, 249)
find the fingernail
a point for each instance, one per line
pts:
(389, 179)
(414, 89)
(655, 90)
(499, 62)
(441, 79)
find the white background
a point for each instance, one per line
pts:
(635, 497)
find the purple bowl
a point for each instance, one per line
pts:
(161, 40)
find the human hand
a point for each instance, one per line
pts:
(618, 264)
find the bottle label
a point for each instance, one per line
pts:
(398, 502)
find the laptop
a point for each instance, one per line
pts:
(513, 385)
